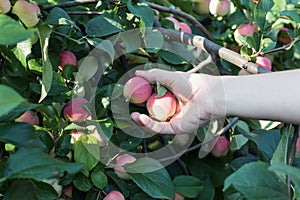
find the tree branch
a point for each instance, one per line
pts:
(70, 4)
(213, 48)
(184, 15)
(84, 13)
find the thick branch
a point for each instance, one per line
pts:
(184, 15)
(214, 49)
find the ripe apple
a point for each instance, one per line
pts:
(5, 6)
(120, 161)
(162, 108)
(29, 117)
(221, 147)
(283, 36)
(75, 111)
(27, 12)
(68, 190)
(264, 62)
(243, 30)
(67, 58)
(137, 90)
(219, 7)
(201, 6)
(183, 27)
(114, 195)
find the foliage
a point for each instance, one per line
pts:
(30, 79)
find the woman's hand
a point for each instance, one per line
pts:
(196, 94)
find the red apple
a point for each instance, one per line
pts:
(255, 1)
(75, 111)
(137, 90)
(185, 28)
(5, 6)
(201, 6)
(114, 195)
(29, 117)
(264, 62)
(243, 30)
(68, 190)
(120, 161)
(27, 12)
(67, 58)
(283, 36)
(221, 147)
(162, 108)
(219, 7)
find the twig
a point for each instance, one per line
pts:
(69, 4)
(285, 47)
(67, 37)
(184, 15)
(291, 157)
(207, 61)
(220, 132)
(84, 13)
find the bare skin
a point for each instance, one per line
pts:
(272, 96)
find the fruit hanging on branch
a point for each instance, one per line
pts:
(137, 90)
(5, 6)
(27, 12)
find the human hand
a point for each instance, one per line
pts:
(196, 94)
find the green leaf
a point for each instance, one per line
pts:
(23, 50)
(58, 16)
(292, 172)
(45, 33)
(120, 183)
(99, 179)
(266, 141)
(161, 90)
(88, 68)
(208, 191)
(154, 40)
(87, 151)
(9, 100)
(29, 189)
(267, 44)
(20, 135)
(11, 32)
(131, 40)
(82, 182)
(151, 177)
(35, 164)
(281, 152)
(143, 11)
(188, 186)
(102, 26)
(260, 14)
(255, 181)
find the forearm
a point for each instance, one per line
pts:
(273, 96)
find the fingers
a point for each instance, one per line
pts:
(152, 125)
(166, 78)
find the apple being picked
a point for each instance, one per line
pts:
(67, 58)
(221, 147)
(27, 12)
(137, 90)
(219, 7)
(114, 195)
(75, 111)
(5, 6)
(29, 117)
(162, 108)
(120, 161)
